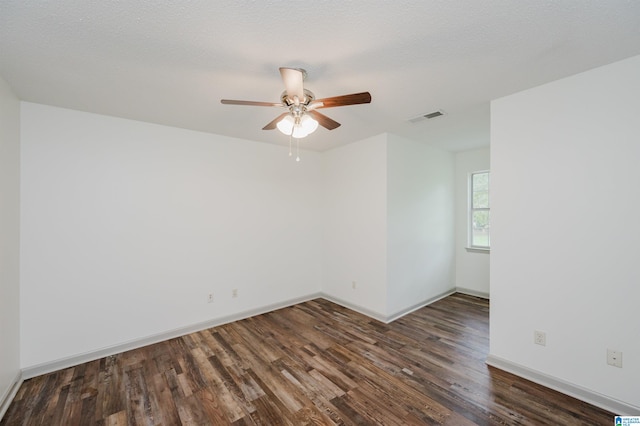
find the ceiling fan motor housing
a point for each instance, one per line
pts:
(308, 98)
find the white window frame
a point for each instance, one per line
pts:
(471, 210)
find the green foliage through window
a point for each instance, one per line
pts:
(479, 214)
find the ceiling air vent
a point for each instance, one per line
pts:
(429, 116)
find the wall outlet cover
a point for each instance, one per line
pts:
(614, 358)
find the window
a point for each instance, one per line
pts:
(479, 217)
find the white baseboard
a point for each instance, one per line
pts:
(403, 312)
(71, 361)
(59, 364)
(364, 311)
(594, 398)
(8, 396)
(386, 318)
(471, 292)
(607, 403)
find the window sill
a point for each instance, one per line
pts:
(478, 250)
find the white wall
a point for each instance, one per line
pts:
(388, 225)
(565, 229)
(127, 226)
(9, 240)
(472, 266)
(420, 223)
(355, 208)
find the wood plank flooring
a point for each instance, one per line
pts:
(315, 363)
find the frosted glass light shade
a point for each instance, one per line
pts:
(306, 126)
(286, 125)
(299, 132)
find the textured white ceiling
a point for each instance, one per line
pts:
(171, 62)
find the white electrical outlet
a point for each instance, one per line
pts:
(234, 292)
(614, 358)
(210, 298)
(540, 338)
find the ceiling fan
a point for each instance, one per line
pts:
(302, 117)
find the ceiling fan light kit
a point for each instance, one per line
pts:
(298, 127)
(301, 118)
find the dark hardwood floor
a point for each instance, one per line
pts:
(313, 363)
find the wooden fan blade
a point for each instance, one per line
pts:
(252, 103)
(292, 78)
(314, 105)
(273, 124)
(323, 120)
(344, 100)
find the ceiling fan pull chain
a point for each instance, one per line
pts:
(297, 149)
(290, 136)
